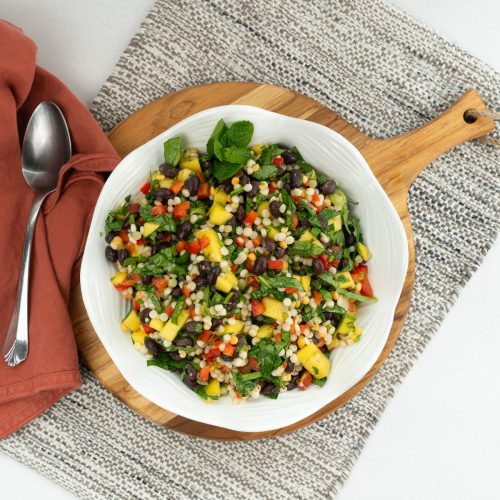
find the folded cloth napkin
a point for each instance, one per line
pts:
(51, 369)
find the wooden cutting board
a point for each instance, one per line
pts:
(395, 162)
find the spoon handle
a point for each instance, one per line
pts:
(15, 348)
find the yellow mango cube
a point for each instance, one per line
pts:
(363, 251)
(212, 251)
(183, 174)
(226, 282)
(273, 309)
(233, 329)
(170, 330)
(213, 389)
(314, 361)
(218, 215)
(191, 164)
(344, 279)
(265, 331)
(157, 324)
(138, 337)
(150, 228)
(166, 183)
(118, 277)
(132, 321)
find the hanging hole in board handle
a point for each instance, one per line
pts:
(472, 115)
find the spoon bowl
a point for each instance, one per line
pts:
(46, 148)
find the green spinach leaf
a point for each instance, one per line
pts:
(172, 151)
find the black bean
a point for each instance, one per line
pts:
(282, 146)
(295, 178)
(289, 157)
(293, 383)
(110, 236)
(153, 347)
(334, 320)
(260, 265)
(225, 357)
(204, 267)
(286, 186)
(244, 179)
(241, 341)
(147, 279)
(215, 323)
(233, 301)
(168, 170)
(144, 316)
(350, 239)
(122, 255)
(290, 367)
(205, 164)
(201, 282)
(111, 254)
(162, 194)
(240, 213)
(255, 189)
(175, 355)
(191, 372)
(268, 244)
(185, 342)
(274, 208)
(213, 275)
(279, 253)
(158, 247)
(176, 292)
(192, 326)
(328, 187)
(228, 186)
(184, 229)
(344, 262)
(192, 184)
(304, 223)
(268, 389)
(190, 383)
(328, 315)
(317, 266)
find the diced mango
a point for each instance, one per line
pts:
(308, 236)
(333, 344)
(220, 197)
(271, 231)
(166, 183)
(314, 361)
(233, 329)
(273, 309)
(336, 222)
(118, 277)
(213, 389)
(338, 199)
(157, 176)
(305, 281)
(157, 324)
(257, 148)
(265, 331)
(212, 251)
(347, 325)
(344, 280)
(363, 251)
(192, 164)
(150, 228)
(132, 321)
(138, 337)
(183, 174)
(263, 206)
(170, 330)
(226, 281)
(217, 215)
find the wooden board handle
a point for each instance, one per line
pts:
(397, 161)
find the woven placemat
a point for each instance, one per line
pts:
(386, 74)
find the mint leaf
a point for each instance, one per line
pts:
(305, 249)
(172, 151)
(235, 154)
(224, 170)
(215, 143)
(240, 134)
(242, 386)
(268, 153)
(281, 282)
(265, 172)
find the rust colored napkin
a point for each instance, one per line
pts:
(51, 369)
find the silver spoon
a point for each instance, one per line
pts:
(46, 148)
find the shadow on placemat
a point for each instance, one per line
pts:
(386, 74)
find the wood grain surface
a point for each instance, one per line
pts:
(395, 162)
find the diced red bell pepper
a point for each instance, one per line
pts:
(181, 210)
(121, 288)
(128, 282)
(250, 218)
(192, 312)
(134, 208)
(315, 199)
(186, 291)
(257, 241)
(253, 281)
(240, 241)
(181, 246)
(176, 187)
(326, 263)
(277, 337)
(204, 242)
(277, 264)
(159, 210)
(305, 381)
(290, 291)
(295, 221)
(145, 189)
(204, 191)
(272, 187)
(123, 234)
(249, 265)
(359, 272)
(136, 305)
(206, 336)
(204, 374)
(317, 297)
(147, 328)
(194, 247)
(135, 276)
(234, 267)
(213, 352)
(278, 161)
(160, 284)
(366, 288)
(169, 310)
(257, 307)
(229, 349)
(131, 248)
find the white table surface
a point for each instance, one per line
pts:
(440, 436)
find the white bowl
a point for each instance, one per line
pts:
(330, 153)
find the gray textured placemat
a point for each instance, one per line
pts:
(384, 73)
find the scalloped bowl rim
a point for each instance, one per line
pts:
(164, 388)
